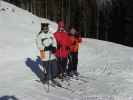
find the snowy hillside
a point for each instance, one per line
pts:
(15, 22)
(107, 67)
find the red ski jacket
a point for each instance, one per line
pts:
(63, 44)
(76, 40)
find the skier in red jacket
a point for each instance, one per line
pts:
(63, 46)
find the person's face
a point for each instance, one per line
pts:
(45, 29)
(61, 28)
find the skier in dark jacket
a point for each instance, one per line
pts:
(73, 56)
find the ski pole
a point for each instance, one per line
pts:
(49, 70)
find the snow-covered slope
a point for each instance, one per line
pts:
(10, 16)
(108, 67)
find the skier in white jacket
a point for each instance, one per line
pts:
(47, 45)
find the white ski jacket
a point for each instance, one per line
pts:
(44, 40)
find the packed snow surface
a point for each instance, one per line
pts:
(108, 67)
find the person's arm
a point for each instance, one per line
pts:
(79, 38)
(53, 46)
(54, 42)
(38, 42)
(40, 47)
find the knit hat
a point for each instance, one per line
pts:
(61, 24)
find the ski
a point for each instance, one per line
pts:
(56, 84)
(44, 83)
(80, 78)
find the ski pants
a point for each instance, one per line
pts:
(51, 69)
(62, 64)
(73, 62)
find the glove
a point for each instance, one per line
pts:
(53, 50)
(50, 48)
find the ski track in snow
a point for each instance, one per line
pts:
(108, 66)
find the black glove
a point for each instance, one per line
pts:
(50, 48)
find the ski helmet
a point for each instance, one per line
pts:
(73, 31)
